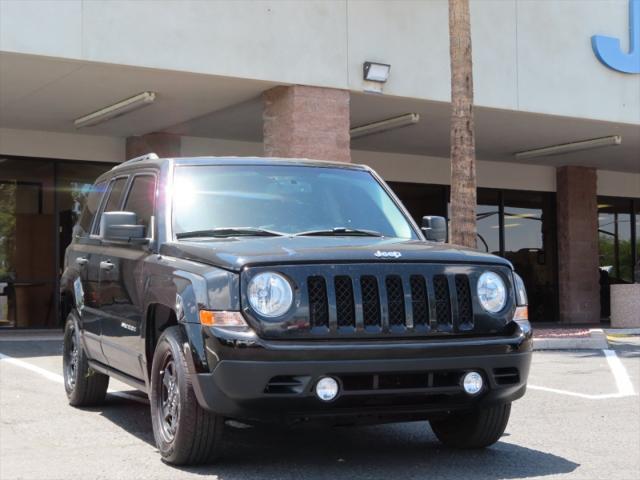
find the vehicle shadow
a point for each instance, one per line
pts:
(408, 450)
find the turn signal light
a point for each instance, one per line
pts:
(521, 313)
(222, 319)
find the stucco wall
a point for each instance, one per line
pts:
(529, 55)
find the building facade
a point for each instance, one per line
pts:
(286, 78)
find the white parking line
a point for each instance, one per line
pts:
(54, 377)
(623, 382)
(625, 387)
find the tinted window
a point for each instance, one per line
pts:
(141, 199)
(114, 198)
(287, 199)
(90, 209)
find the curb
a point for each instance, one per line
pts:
(597, 340)
(622, 332)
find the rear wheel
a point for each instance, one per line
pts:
(476, 429)
(84, 386)
(185, 433)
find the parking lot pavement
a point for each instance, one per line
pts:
(577, 421)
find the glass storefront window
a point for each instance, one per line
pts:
(27, 252)
(529, 243)
(614, 235)
(39, 203)
(488, 221)
(636, 268)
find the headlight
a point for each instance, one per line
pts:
(521, 291)
(270, 294)
(492, 292)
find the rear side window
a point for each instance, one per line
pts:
(141, 199)
(90, 209)
(114, 199)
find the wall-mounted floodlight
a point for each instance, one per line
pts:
(384, 125)
(376, 72)
(570, 147)
(112, 111)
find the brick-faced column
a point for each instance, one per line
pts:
(578, 262)
(165, 145)
(307, 122)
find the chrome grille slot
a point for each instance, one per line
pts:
(443, 300)
(419, 300)
(370, 300)
(345, 306)
(465, 308)
(318, 302)
(395, 300)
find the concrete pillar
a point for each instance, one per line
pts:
(307, 122)
(578, 262)
(166, 145)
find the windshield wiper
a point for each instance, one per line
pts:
(229, 232)
(340, 231)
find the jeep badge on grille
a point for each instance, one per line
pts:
(393, 254)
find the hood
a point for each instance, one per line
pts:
(236, 253)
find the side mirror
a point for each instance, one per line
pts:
(121, 227)
(434, 228)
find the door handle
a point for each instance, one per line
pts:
(106, 265)
(81, 261)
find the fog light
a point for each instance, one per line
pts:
(472, 383)
(327, 389)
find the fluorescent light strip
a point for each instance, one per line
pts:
(384, 125)
(125, 106)
(570, 147)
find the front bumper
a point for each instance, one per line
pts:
(380, 381)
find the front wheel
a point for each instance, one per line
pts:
(476, 429)
(185, 433)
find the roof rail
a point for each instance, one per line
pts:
(148, 156)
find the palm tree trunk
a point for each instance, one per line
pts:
(463, 161)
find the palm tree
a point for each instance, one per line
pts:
(463, 161)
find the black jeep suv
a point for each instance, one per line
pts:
(285, 290)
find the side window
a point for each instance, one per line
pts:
(141, 199)
(114, 199)
(90, 209)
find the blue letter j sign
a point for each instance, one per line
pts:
(608, 50)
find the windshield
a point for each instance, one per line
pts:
(282, 200)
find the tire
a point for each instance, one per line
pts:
(184, 432)
(477, 429)
(84, 386)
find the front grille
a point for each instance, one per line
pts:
(385, 306)
(380, 300)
